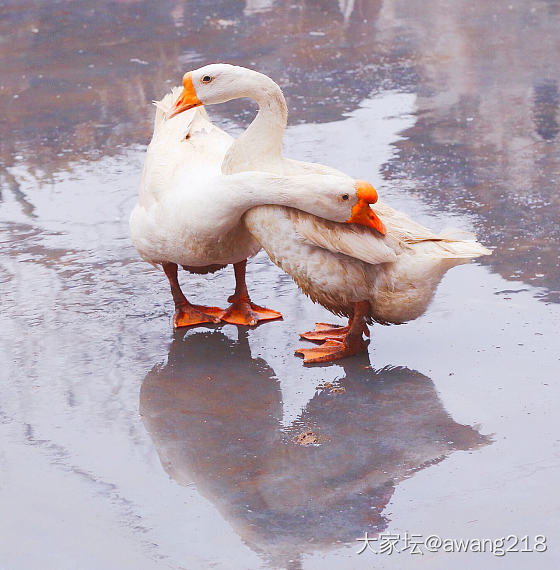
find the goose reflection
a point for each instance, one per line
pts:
(214, 414)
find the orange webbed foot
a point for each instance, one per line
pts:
(188, 315)
(243, 312)
(333, 350)
(327, 331)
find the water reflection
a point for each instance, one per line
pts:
(78, 81)
(221, 429)
(546, 109)
(486, 140)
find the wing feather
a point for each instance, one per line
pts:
(355, 241)
(450, 243)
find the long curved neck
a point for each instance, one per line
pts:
(261, 144)
(233, 195)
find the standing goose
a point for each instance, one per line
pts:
(387, 274)
(189, 148)
(189, 213)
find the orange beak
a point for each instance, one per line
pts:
(361, 212)
(187, 99)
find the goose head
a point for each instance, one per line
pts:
(219, 83)
(361, 212)
(335, 198)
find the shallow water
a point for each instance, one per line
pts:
(125, 445)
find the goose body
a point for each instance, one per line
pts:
(179, 194)
(387, 278)
(189, 213)
(338, 267)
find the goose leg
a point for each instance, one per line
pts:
(242, 311)
(351, 343)
(187, 314)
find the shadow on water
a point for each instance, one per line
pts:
(219, 425)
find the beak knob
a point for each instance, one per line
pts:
(365, 191)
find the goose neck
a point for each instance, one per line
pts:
(261, 143)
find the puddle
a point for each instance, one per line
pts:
(126, 445)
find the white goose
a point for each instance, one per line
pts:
(189, 213)
(350, 270)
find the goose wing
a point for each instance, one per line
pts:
(349, 239)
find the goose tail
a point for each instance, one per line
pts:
(460, 244)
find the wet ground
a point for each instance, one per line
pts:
(125, 445)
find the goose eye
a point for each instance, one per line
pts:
(345, 196)
(206, 79)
